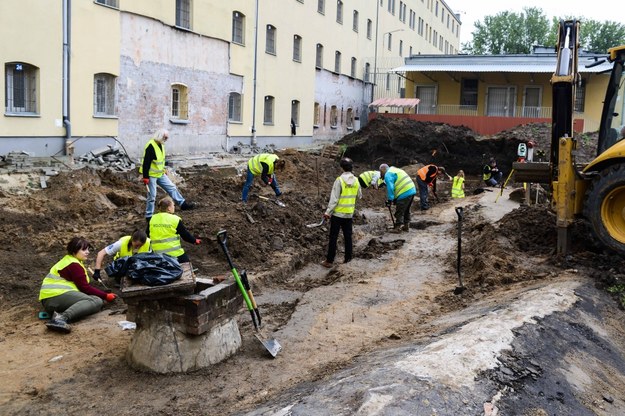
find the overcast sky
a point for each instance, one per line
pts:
(473, 10)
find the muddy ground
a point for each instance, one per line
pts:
(86, 372)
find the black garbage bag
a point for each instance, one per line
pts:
(153, 269)
(117, 268)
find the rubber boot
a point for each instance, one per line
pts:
(396, 229)
(405, 228)
(59, 323)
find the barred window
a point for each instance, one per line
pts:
(270, 47)
(179, 102)
(268, 113)
(238, 27)
(183, 13)
(234, 107)
(104, 96)
(297, 48)
(21, 88)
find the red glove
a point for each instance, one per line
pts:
(269, 181)
(110, 297)
(146, 180)
(198, 241)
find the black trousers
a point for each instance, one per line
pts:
(402, 210)
(337, 224)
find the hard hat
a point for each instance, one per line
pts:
(347, 164)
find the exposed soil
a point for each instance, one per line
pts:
(85, 371)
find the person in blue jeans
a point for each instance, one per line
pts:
(400, 190)
(263, 165)
(153, 170)
(491, 174)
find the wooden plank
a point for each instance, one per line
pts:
(183, 286)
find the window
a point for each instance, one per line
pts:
(352, 71)
(179, 102)
(103, 95)
(468, 93)
(238, 26)
(580, 96)
(295, 112)
(401, 48)
(367, 72)
(270, 46)
(388, 81)
(339, 12)
(297, 48)
(111, 3)
(234, 107)
(268, 113)
(321, 6)
(369, 28)
(334, 117)
(21, 88)
(355, 24)
(390, 41)
(337, 62)
(319, 57)
(316, 115)
(349, 119)
(183, 13)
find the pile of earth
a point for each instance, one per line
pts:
(400, 141)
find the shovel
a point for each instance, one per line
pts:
(317, 224)
(390, 211)
(459, 289)
(274, 200)
(272, 345)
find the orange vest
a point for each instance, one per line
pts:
(422, 173)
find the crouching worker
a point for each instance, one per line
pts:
(166, 230)
(66, 293)
(126, 246)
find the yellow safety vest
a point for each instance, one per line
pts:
(367, 177)
(157, 167)
(486, 176)
(55, 285)
(254, 163)
(347, 200)
(125, 251)
(165, 240)
(456, 187)
(403, 182)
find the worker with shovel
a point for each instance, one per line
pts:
(340, 211)
(263, 165)
(66, 293)
(153, 170)
(166, 230)
(400, 190)
(426, 179)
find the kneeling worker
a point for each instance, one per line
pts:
(126, 246)
(166, 230)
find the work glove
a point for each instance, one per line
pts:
(269, 181)
(389, 203)
(146, 180)
(96, 274)
(326, 216)
(198, 241)
(110, 297)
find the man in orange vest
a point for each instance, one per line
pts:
(426, 177)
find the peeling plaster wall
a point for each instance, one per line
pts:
(153, 57)
(343, 92)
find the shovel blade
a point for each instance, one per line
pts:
(270, 344)
(279, 203)
(319, 224)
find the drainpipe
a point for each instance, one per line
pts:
(255, 65)
(67, 11)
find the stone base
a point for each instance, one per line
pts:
(159, 346)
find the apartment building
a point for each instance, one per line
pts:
(215, 73)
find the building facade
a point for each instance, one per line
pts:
(216, 74)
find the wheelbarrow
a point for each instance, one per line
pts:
(270, 344)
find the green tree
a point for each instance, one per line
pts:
(598, 36)
(509, 33)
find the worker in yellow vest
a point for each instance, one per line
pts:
(370, 178)
(126, 246)
(153, 170)
(166, 230)
(263, 165)
(66, 293)
(400, 190)
(457, 185)
(340, 211)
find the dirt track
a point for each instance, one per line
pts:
(395, 289)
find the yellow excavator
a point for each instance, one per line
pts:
(595, 191)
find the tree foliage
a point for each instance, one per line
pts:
(516, 33)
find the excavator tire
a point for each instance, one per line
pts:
(604, 207)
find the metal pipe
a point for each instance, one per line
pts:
(375, 56)
(254, 81)
(67, 23)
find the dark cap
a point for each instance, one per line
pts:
(347, 164)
